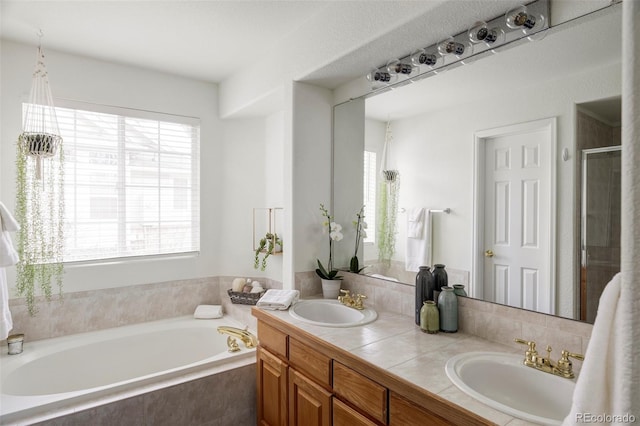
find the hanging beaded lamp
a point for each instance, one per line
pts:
(40, 137)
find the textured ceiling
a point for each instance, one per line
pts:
(331, 41)
(205, 40)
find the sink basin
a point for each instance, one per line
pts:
(331, 313)
(501, 381)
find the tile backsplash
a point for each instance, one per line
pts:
(85, 311)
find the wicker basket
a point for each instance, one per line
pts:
(240, 298)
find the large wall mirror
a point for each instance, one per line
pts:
(491, 159)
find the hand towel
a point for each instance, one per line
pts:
(278, 299)
(600, 386)
(208, 312)
(8, 257)
(419, 249)
(8, 254)
(415, 222)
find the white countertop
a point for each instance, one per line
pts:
(395, 343)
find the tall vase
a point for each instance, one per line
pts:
(424, 283)
(330, 288)
(448, 307)
(440, 278)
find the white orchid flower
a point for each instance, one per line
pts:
(336, 235)
(336, 227)
(363, 234)
(364, 225)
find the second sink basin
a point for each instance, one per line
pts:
(331, 313)
(501, 381)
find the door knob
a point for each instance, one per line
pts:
(488, 253)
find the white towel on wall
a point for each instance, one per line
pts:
(8, 254)
(8, 257)
(419, 249)
(600, 387)
(415, 222)
(278, 299)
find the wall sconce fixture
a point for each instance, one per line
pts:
(521, 18)
(483, 38)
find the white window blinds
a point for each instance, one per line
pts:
(131, 183)
(370, 195)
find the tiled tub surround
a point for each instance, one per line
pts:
(227, 397)
(66, 375)
(80, 312)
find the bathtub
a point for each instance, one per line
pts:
(59, 376)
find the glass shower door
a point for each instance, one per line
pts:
(600, 234)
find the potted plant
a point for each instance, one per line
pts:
(268, 245)
(330, 279)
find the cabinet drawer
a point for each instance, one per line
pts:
(343, 415)
(360, 391)
(405, 413)
(311, 362)
(272, 339)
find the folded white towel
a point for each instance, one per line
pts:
(208, 312)
(415, 222)
(8, 254)
(278, 299)
(601, 384)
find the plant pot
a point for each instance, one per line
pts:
(330, 288)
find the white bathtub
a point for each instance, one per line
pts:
(63, 375)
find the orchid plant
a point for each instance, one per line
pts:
(361, 226)
(335, 234)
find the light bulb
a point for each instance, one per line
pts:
(381, 77)
(397, 67)
(450, 47)
(480, 33)
(528, 22)
(421, 57)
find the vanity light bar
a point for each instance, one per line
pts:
(481, 39)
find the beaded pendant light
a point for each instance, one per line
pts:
(40, 135)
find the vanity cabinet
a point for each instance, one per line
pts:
(303, 380)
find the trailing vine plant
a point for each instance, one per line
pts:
(267, 246)
(40, 212)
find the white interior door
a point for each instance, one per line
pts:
(518, 215)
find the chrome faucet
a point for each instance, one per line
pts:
(249, 340)
(563, 368)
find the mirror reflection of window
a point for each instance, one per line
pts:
(370, 195)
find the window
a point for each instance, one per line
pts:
(370, 195)
(131, 183)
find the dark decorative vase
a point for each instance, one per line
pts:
(440, 278)
(448, 307)
(424, 287)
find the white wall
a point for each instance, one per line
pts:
(435, 157)
(233, 158)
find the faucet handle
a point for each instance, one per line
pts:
(531, 354)
(564, 367)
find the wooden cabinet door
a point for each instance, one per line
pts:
(309, 403)
(405, 413)
(343, 415)
(271, 389)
